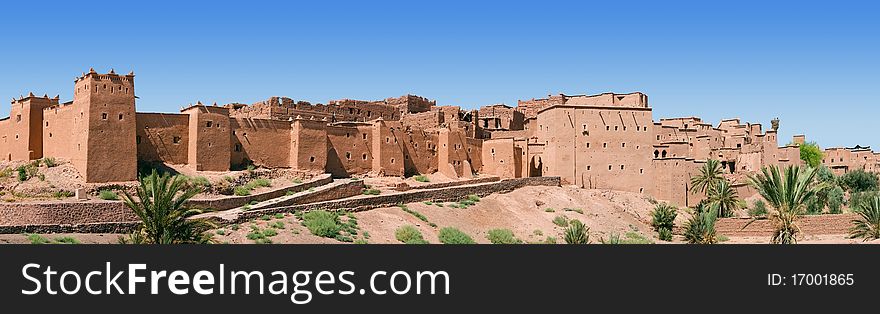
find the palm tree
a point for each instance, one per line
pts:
(788, 194)
(710, 175)
(867, 226)
(723, 198)
(160, 205)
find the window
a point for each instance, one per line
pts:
(347, 135)
(609, 167)
(392, 160)
(387, 139)
(312, 159)
(176, 139)
(120, 116)
(588, 144)
(50, 134)
(658, 137)
(615, 128)
(104, 116)
(348, 155)
(604, 145)
(364, 156)
(607, 128)
(238, 147)
(588, 168)
(641, 171)
(621, 167)
(209, 124)
(47, 124)
(365, 135)
(623, 145)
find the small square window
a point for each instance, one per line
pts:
(209, 124)
(104, 116)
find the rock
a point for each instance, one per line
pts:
(539, 203)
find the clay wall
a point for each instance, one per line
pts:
(163, 137)
(264, 142)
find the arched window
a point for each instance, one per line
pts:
(656, 154)
(663, 154)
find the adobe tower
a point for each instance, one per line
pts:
(104, 148)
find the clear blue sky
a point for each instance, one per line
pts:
(814, 65)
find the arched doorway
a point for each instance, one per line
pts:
(536, 167)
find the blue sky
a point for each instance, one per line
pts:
(812, 64)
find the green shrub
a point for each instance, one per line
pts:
(577, 233)
(473, 198)
(270, 232)
(859, 198)
(322, 223)
(22, 173)
(633, 237)
(221, 232)
(561, 221)
(835, 200)
(108, 195)
(576, 210)
(759, 209)
(241, 191)
(66, 240)
(265, 217)
(550, 240)
(428, 203)
(665, 234)
(700, 229)
(859, 181)
(279, 216)
(549, 210)
(613, 238)
(50, 162)
(372, 192)
(409, 235)
(62, 194)
(277, 225)
(538, 232)
(297, 181)
(361, 241)
(37, 239)
(449, 235)
(663, 217)
(502, 236)
(421, 178)
(415, 213)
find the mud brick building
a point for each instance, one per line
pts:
(604, 141)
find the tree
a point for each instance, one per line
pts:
(161, 207)
(724, 199)
(867, 226)
(787, 194)
(811, 154)
(859, 181)
(709, 176)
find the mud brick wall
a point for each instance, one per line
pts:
(812, 225)
(437, 195)
(104, 227)
(238, 201)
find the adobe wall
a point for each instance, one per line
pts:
(264, 142)
(672, 181)
(308, 145)
(59, 131)
(331, 192)
(420, 151)
(387, 148)
(349, 149)
(598, 147)
(502, 158)
(163, 137)
(209, 141)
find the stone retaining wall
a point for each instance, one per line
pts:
(455, 183)
(238, 201)
(66, 212)
(347, 189)
(438, 195)
(812, 225)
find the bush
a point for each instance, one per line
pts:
(449, 235)
(665, 234)
(663, 217)
(241, 191)
(576, 210)
(502, 236)
(372, 192)
(859, 198)
(759, 209)
(200, 182)
(560, 221)
(421, 178)
(549, 210)
(50, 162)
(577, 233)
(633, 237)
(811, 154)
(22, 174)
(322, 223)
(613, 238)
(37, 239)
(108, 195)
(700, 229)
(859, 181)
(409, 235)
(835, 200)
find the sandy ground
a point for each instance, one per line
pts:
(528, 212)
